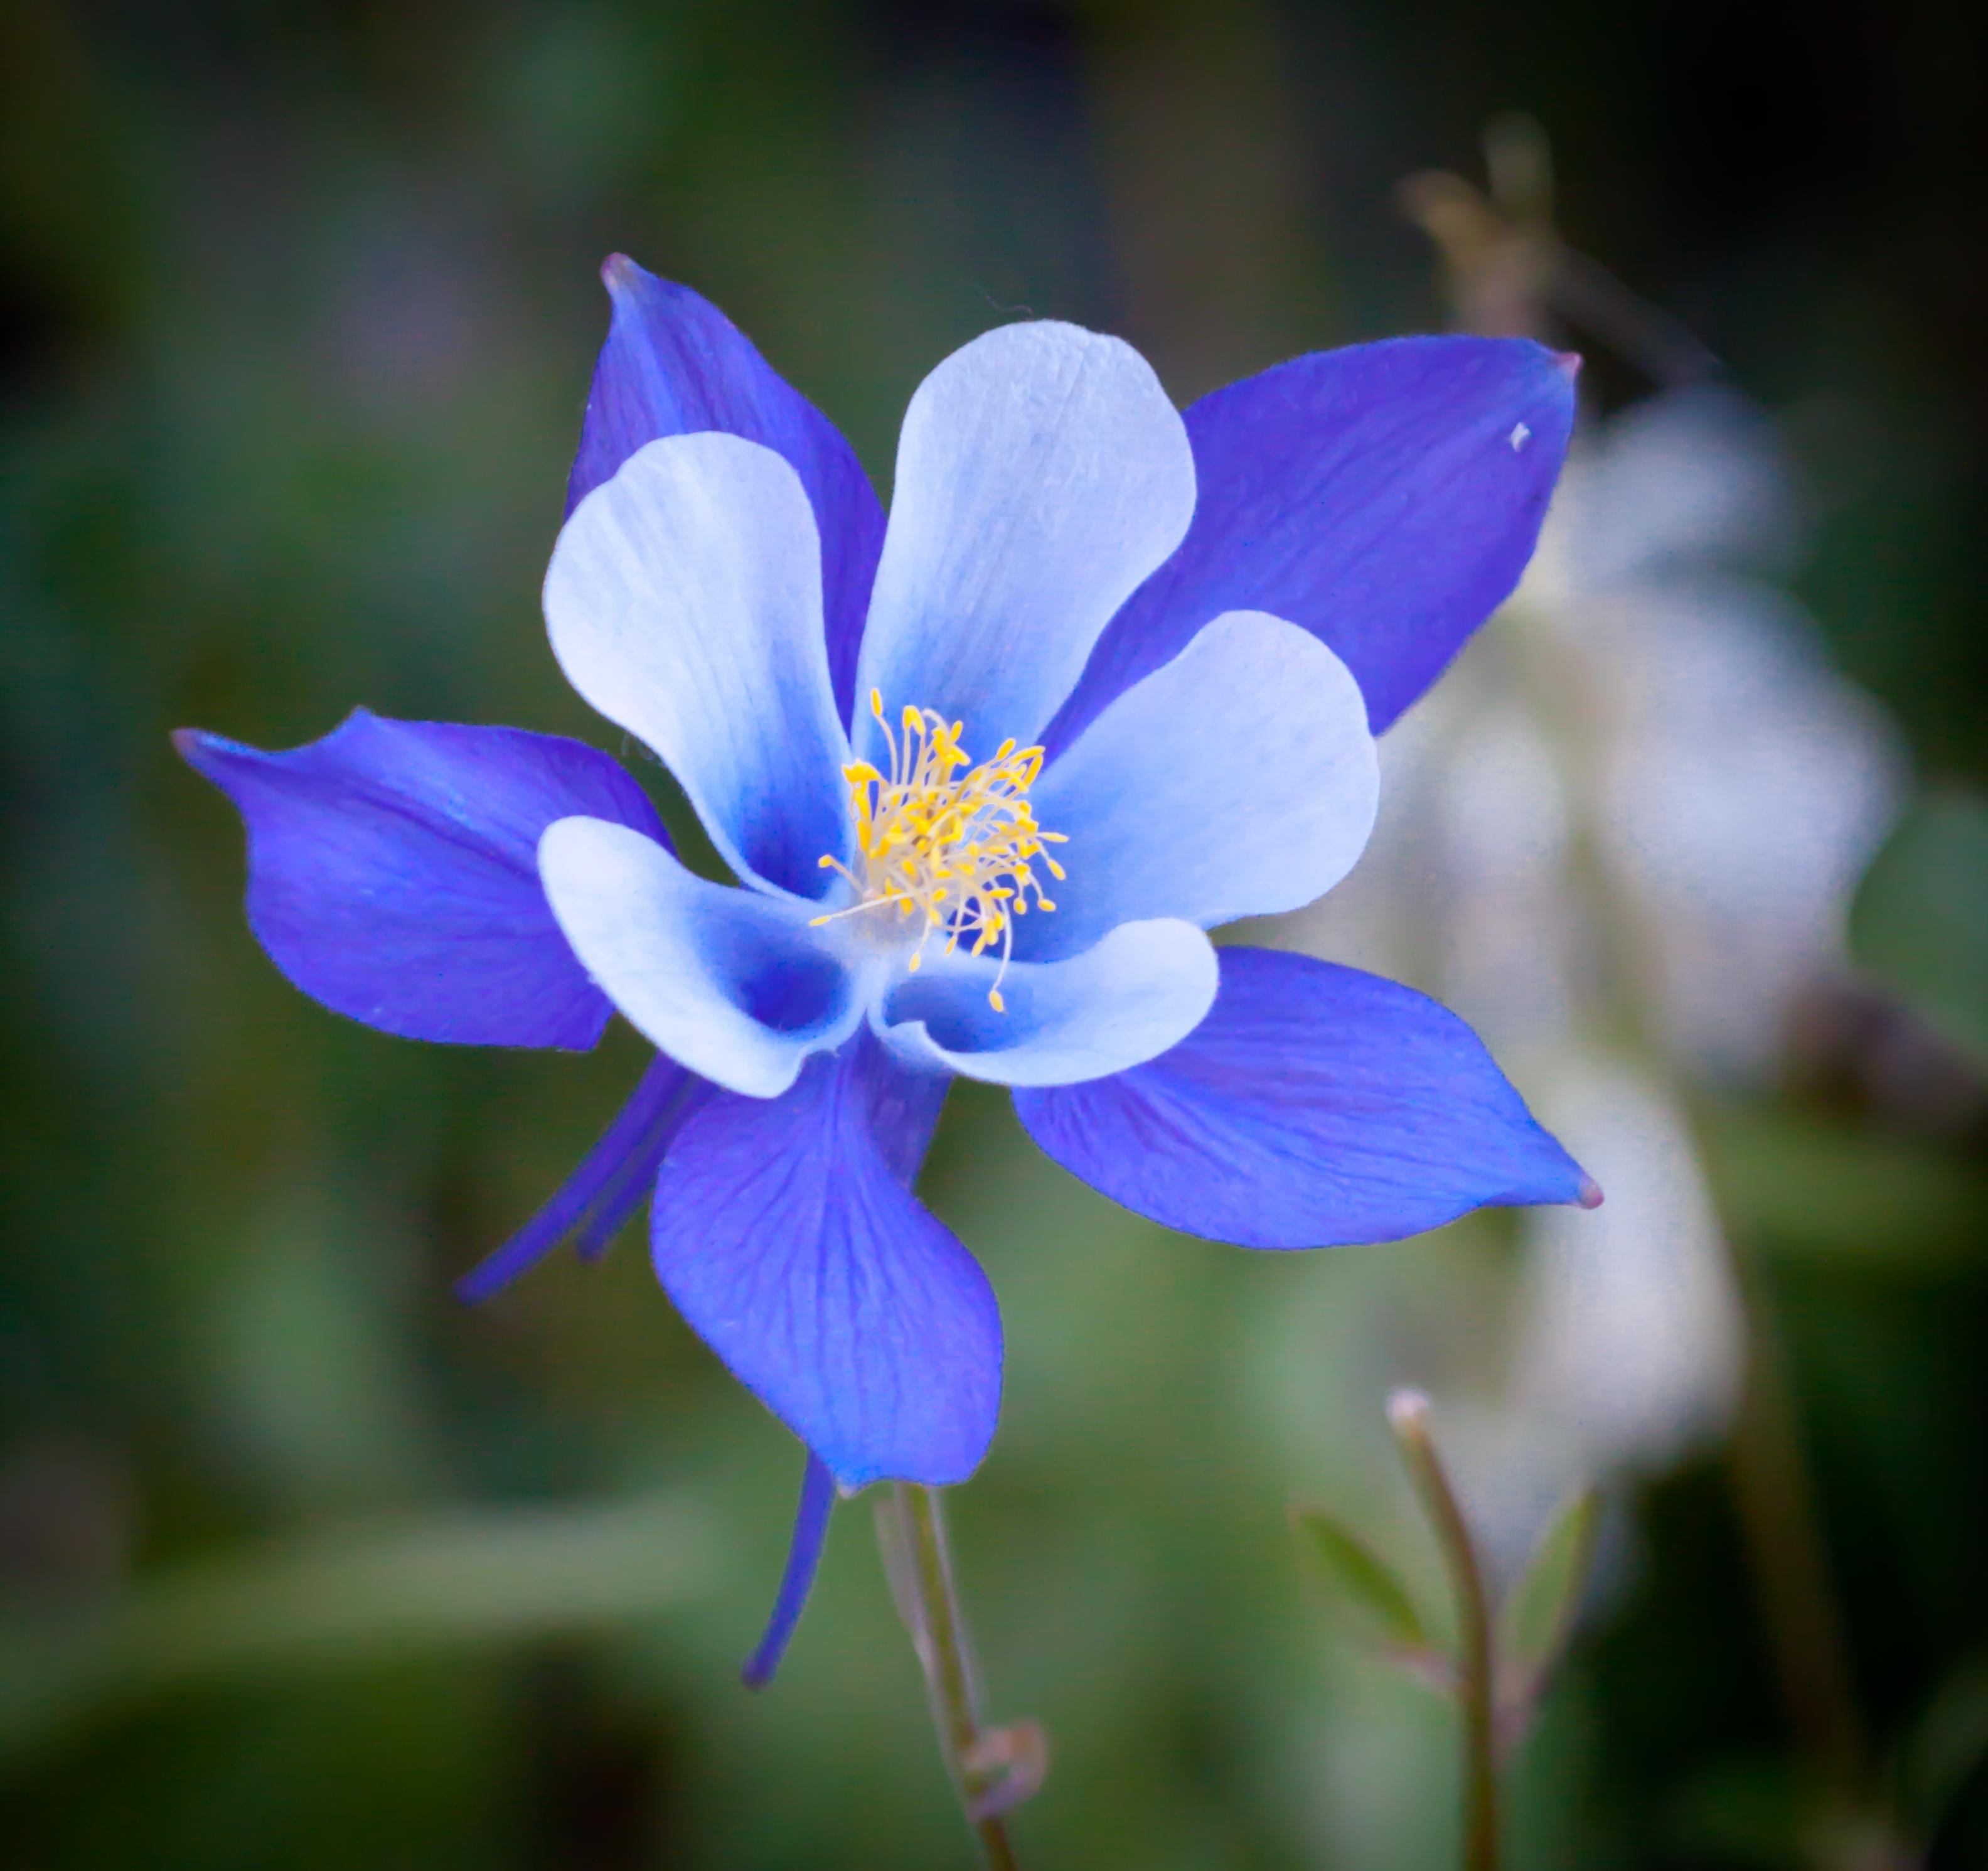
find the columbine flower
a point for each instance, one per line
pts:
(1108, 678)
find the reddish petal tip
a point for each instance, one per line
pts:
(1591, 1194)
(1569, 363)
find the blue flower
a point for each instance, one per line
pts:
(1109, 677)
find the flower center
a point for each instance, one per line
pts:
(957, 851)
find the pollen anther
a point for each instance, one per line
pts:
(956, 849)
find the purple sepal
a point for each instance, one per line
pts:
(784, 1231)
(592, 1203)
(803, 1555)
(1386, 497)
(1316, 1106)
(674, 364)
(393, 872)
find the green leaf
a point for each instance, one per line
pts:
(1755, 1813)
(1799, 1184)
(1540, 1610)
(1946, 1745)
(1920, 920)
(467, 1579)
(1361, 1580)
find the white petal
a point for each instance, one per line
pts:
(731, 983)
(1144, 988)
(1042, 475)
(683, 601)
(1236, 780)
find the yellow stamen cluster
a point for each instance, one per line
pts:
(958, 850)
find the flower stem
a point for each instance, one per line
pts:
(910, 1526)
(1408, 1417)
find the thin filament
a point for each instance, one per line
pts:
(955, 849)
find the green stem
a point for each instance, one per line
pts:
(1776, 1498)
(911, 1526)
(1408, 1417)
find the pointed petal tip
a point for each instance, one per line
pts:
(620, 274)
(1302, 1061)
(1570, 362)
(1590, 1195)
(212, 756)
(391, 875)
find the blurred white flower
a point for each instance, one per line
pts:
(1645, 781)
(1743, 785)
(1682, 479)
(1629, 1341)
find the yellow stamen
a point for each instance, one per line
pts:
(956, 849)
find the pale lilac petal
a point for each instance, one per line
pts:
(1238, 780)
(1042, 473)
(674, 364)
(731, 983)
(683, 601)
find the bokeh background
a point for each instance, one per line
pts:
(303, 1564)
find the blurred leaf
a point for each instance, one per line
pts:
(462, 1580)
(1947, 1745)
(1755, 1813)
(312, 1391)
(1362, 1580)
(1772, 1815)
(1541, 1609)
(1920, 920)
(1789, 1179)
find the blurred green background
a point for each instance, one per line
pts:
(303, 1564)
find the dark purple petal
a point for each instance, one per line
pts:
(1315, 1106)
(674, 364)
(1386, 497)
(590, 1206)
(393, 872)
(784, 1231)
(803, 1555)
